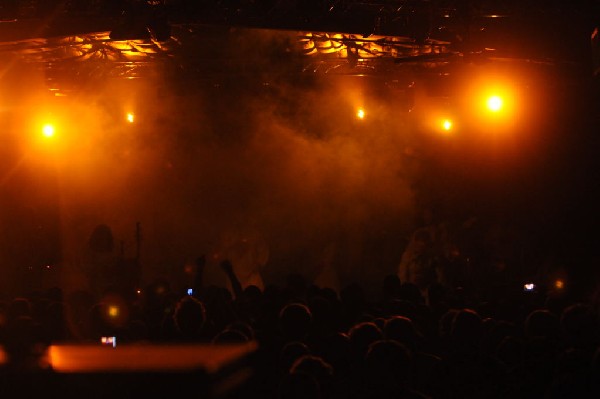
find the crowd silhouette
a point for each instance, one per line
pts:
(436, 340)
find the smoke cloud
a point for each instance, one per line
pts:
(258, 164)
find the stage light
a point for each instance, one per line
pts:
(48, 130)
(559, 284)
(113, 311)
(494, 103)
(130, 117)
(447, 125)
(360, 113)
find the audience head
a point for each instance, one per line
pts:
(294, 321)
(322, 312)
(542, 323)
(189, 317)
(243, 328)
(318, 368)
(252, 293)
(403, 330)
(580, 326)
(335, 349)
(361, 336)
(466, 326)
(299, 385)
(291, 352)
(388, 368)
(229, 336)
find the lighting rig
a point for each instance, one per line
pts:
(402, 42)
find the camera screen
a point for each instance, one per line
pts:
(110, 341)
(528, 287)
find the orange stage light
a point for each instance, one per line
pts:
(494, 103)
(48, 130)
(559, 284)
(360, 113)
(447, 125)
(113, 311)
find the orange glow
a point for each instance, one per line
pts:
(130, 117)
(113, 311)
(559, 284)
(188, 268)
(3, 356)
(142, 357)
(494, 103)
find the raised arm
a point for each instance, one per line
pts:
(235, 282)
